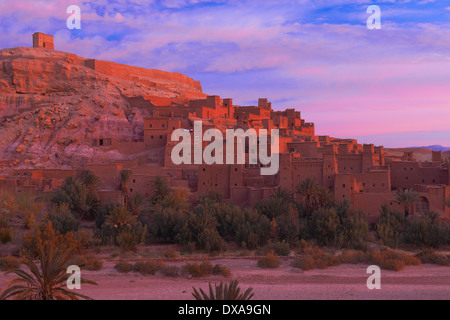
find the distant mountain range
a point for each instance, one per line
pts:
(435, 148)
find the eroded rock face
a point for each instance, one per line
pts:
(54, 104)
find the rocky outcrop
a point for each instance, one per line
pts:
(53, 104)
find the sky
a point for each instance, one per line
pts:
(388, 86)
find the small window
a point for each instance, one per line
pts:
(343, 186)
(160, 137)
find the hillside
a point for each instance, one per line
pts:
(53, 104)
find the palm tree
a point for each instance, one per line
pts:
(120, 217)
(135, 203)
(47, 282)
(228, 292)
(342, 209)
(161, 190)
(406, 198)
(283, 194)
(90, 180)
(309, 190)
(125, 176)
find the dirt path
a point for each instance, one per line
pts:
(285, 283)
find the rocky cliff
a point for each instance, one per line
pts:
(53, 104)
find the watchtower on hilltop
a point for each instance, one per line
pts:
(42, 40)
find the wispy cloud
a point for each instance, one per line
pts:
(317, 56)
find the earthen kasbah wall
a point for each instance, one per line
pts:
(139, 74)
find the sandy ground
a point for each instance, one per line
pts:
(345, 282)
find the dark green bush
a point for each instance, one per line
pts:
(148, 267)
(62, 219)
(124, 267)
(353, 227)
(427, 231)
(305, 262)
(430, 256)
(168, 223)
(324, 225)
(280, 248)
(80, 200)
(199, 270)
(271, 261)
(170, 271)
(90, 262)
(390, 227)
(220, 269)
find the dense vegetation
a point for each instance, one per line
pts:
(74, 219)
(279, 223)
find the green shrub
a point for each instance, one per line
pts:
(199, 270)
(124, 267)
(62, 219)
(93, 263)
(201, 228)
(90, 262)
(393, 264)
(9, 263)
(168, 223)
(171, 253)
(305, 262)
(102, 212)
(290, 227)
(127, 241)
(170, 271)
(430, 256)
(122, 229)
(353, 257)
(221, 270)
(281, 248)
(324, 225)
(353, 229)
(427, 231)
(246, 227)
(148, 267)
(80, 200)
(390, 227)
(391, 260)
(271, 261)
